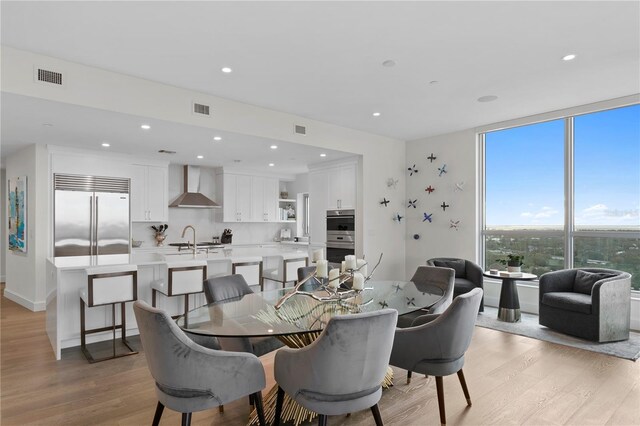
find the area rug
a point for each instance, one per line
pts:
(529, 327)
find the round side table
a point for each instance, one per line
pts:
(509, 306)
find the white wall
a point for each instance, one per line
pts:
(3, 220)
(437, 239)
(25, 273)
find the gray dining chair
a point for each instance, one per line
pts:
(304, 272)
(190, 377)
(436, 343)
(425, 279)
(342, 370)
(229, 288)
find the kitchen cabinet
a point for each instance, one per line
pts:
(264, 199)
(330, 187)
(236, 198)
(342, 187)
(149, 193)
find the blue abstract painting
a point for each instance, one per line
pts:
(18, 214)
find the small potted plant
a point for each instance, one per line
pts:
(513, 262)
(159, 233)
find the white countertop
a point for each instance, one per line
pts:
(164, 255)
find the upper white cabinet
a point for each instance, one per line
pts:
(149, 198)
(264, 199)
(236, 197)
(342, 187)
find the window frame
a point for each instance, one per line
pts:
(568, 232)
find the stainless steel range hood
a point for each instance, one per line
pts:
(192, 198)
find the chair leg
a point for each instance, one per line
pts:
(409, 377)
(463, 382)
(440, 389)
(322, 420)
(376, 415)
(221, 408)
(257, 400)
(186, 419)
(156, 417)
(279, 401)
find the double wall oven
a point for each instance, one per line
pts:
(341, 235)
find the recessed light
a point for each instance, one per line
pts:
(217, 138)
(274, 147)
(487, 98)
(433, 82)
(376, 114)
(200, 157)
(323, 155)
(271, 164)
(145, 127)
(47, 124)
(389, 63)
(226, 70)
(106, 145)
(570, 57)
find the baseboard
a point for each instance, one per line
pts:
(32, 306)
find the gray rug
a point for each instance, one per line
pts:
(529, 327)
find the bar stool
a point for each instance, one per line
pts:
(108, 285)
(287, 272)
(180, 279)
(250, 268)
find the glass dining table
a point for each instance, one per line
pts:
(301, 319)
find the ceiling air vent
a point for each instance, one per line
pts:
(299, 130)
(166, 151)
(200, 109)
(48, 76)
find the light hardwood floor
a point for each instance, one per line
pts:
(512, 380)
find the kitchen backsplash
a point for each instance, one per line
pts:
(243, 233)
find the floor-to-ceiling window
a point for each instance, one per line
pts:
(565, 193)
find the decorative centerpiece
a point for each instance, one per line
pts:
(160, 233)
(334, 283)
(513, 262)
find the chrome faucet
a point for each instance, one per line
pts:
(184, 231)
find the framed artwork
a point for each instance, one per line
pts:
(17, 203)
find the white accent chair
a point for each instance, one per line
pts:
(108, 285)
(180, 279)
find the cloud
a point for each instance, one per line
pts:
(544, 213)
(601, 214)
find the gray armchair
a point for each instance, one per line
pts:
(304, 272)
(431, 276)
(227, 289)
(190, 377)
(468, 275)
(436, 344)
(591, 303)
(342, 370)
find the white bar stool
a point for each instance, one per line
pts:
(286, 272)
(250, 268)
(180, 279)
(108, 285)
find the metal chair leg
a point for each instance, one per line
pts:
(186, 419)
(463, 382)
(156, 417)
(279, 402)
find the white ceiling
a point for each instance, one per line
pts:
(322, 60)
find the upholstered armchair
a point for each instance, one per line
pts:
(591, 303)
(468, 275)
(189, 377)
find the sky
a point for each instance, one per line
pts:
(525, 172)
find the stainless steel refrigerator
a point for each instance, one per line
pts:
(91, 215)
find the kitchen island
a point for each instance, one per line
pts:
(67, 275)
